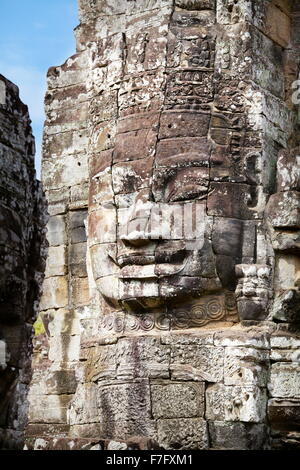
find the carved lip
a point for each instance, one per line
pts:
(138, 272)
(132, 259)
(162, 256)
(150, 271)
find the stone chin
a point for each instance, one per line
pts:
(150, 293)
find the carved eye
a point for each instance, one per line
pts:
(187, 193)
(108, 205)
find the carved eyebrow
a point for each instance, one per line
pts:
(163, 179)
(170, 173)
(185, 160)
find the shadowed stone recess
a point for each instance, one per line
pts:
(22, 261)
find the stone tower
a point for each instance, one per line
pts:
(22, 261)
(171, 167)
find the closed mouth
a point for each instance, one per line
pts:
(160, 257)
(150, 271)
(135, 259)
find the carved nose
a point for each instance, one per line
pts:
(137, 242)
(136, 229)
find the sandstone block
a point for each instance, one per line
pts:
(102, 257)
(57, 171)
(284, 414)
(237, 436)
(3, 356)
(288, 177)
(56, 233)
(286, 272)
(246, 366)
(285, 380)
(231, 403)
(285, 347)
(184, 433)
(56, 261)
(83, 408)
(77, 259)
(286, 306)
(195, 4)
(64, 348)
(143, 357)
(50, 409)
(61, 382)
(61, 321)
(55, 293)
(284, 209)
(79, 196)
(245, 337)
(101, 226)
(278, 25)
(180, 124)
(232, 200)
(177, 400)
(134, 145)
(128, 406)
(197, 363)
(80, 291)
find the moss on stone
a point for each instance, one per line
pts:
(39, 328)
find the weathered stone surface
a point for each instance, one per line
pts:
(288, 178)
(56, 233)
(55, 293)
(246, 366)
(234, 403)
(284, 414)
(77, 259)
(83, 408)
(64, 348)
(143, 357)
(238, 436)
(171, 168)
(284, 209)
(125, 410)
(50, 409)
(284, 380)
(285, 347)
(286, 306)
(189, 361)
(243, 337)
(61, 382)
(185, 433)
(56, 262)
(177, 400)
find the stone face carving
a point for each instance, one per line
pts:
(22, 260)
(164, 139)
(156, 230)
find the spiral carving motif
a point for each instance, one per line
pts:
(196, 315)
(119, 324)
(147, 323)
(132, 323)
(215, 310)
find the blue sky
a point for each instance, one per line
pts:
(35, 35)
